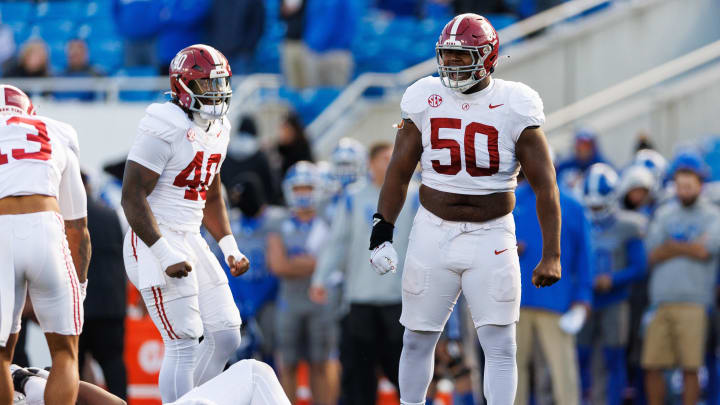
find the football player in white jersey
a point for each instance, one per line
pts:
(470, 133)
(44, 243)
(172, 186)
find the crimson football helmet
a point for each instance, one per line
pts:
(200, 81)
(15, 101)
(470, 33)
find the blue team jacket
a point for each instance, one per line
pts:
(576, 253)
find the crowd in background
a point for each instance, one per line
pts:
(316, 41)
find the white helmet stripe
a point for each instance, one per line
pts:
(217, 60)
(456, 25)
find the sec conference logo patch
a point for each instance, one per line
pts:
(190, 135)
(434, 100)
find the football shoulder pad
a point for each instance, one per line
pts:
(415, 99)
(165, 121)
(526, 104)
(65, 132)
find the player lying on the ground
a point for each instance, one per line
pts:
(248, 382)
(44, 243)
(31, 382)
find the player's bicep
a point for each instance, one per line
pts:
(533, 153)
(138, 180)
(71, 196)
(407, 150)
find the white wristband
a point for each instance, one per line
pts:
(83, 290)
(166, 255)
(230, 248)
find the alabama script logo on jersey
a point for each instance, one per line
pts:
(469, 140)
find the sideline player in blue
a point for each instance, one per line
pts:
(620, 260)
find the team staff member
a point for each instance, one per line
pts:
(371, 334)
(552, 316)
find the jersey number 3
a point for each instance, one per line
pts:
(471, 130)
(197, 185)
(42, 138)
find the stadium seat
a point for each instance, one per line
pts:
(21, 31)
(107, 54)
(99, 29)
(99, 9)
(14, 12)
(60, 10)
(58, 59)
(55, 30)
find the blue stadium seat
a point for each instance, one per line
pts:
(60, 10)
(99, 29)
(19, 11)
(107, 54)
(21, 31)
(58, 59)
(98, 9)
(56, 30)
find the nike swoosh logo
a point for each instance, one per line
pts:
(495, 106)
(497, 252)
(376, 221)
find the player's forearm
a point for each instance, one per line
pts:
(215, 218)
(78, 238)
(549, 216)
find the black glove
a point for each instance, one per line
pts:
(382, 231)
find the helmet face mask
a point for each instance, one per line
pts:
(301, 187)
(211, 97)
(599, 191)
(462, 77)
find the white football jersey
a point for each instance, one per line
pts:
(186, 157)
(469, 139)
(34, 154)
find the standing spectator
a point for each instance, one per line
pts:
(78, 66)
(330, 28)
(570, 172)
(292, 143)
(138, 22)
(294, 51)
(620, 260)
(182, 23)
(305, 330)
(684, 243)
(32, 61)
(78, 60)
(551, 317)
(245, 155)
(104, 329)
(371, 335)
(236, 28)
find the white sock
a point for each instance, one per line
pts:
(417, 363)
(176, 372)
(501, 377)
(214, 352)
(35, 391)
